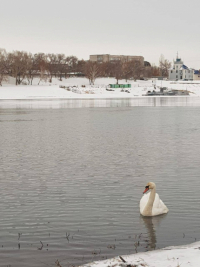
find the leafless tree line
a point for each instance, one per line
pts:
(119, 70)
(127, 70)
(25, 66)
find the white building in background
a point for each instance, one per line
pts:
(179, 71)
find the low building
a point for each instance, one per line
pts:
(114, 58)
(179, 71)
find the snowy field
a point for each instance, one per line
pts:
(181, 256)
(79, 88)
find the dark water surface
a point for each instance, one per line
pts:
(71, 180)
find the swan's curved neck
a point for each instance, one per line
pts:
(148, 208)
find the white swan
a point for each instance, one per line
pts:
(151, 204)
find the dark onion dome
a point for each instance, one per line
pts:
(147, 64)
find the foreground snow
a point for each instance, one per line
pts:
(53, 92)
(181, 256)
(78, 88)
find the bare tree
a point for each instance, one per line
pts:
(106, 68)
(52, 65)
(155, 71)
(80, 66)
(18, 61)
(117, 70)
(3, 69)
(126, 69)
(42, 66)
(164, 66)
(72, 63)
(92, 70)
(136, 69)
(32, 68)
(62, 66)
(148, 71)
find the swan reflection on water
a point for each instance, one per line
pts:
(151, 224)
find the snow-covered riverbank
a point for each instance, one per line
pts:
(78, 88)
(180, 256)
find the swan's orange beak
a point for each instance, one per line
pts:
(146, 189)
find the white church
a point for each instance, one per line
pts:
(179, 71)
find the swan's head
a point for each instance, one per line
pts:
(150, 185)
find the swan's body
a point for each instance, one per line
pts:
(151, 204)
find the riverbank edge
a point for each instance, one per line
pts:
(91, 98)
(173, 256)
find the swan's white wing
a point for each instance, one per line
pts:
(157, 202)
(144, 201)
(158, 206)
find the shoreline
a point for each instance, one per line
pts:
(102, 101)
(79, 89)
(94, 98)
(173, 256)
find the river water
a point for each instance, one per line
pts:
(72, 175)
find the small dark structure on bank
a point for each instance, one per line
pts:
(165, 92)
(111, 87)
(119, 86)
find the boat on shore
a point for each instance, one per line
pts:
(164, 91)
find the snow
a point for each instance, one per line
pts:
(79, 88)
(180, 256)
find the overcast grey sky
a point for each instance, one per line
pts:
(83, 27)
